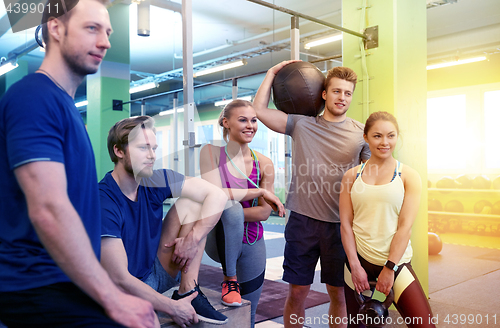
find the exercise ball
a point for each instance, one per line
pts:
(454, 206)
(483, 207)
(298, 88)
(435, 243)
(496, 183)
(446, 183)
(481, 182)
(495, 209)
(463, 182)
(434, 205)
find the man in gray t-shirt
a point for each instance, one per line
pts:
(324, 148)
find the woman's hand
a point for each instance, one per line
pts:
(274, 202)
(385, 281)
(359, 279)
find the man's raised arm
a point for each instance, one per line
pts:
(272, 118)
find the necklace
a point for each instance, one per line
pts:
(53, 80)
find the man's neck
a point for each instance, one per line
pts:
(61, 75)
(126, 182)
(333, 118)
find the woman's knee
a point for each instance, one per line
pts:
(233, 215)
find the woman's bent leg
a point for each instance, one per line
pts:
(225, 240)
(251, 269)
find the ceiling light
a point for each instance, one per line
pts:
(142, 87)
(456, 62)
(81, 103)
(171, 111)
(227, 101)
(435, 3)
(219, 68)
(7, 66)
(143, 18)
(328, 39)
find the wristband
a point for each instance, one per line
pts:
(391, 265)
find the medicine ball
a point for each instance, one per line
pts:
(495, 209)
(434, 205)
(298, 88)
(483, 207)
(454, 206)
(481, 182)
(463, 182)
(446, 182)
(433, 222)
(454, 225)
(435, 243)
(496, 182)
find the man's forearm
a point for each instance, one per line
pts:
(261, 100)
(211, 210)
(63, 235)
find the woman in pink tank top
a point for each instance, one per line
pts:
(247, 177)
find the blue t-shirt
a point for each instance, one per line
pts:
(39, 122)
(138, 223)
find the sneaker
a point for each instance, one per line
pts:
(231, 293)
(202, 306)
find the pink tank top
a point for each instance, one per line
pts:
(230, 181)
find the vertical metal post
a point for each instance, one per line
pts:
(295, 37)
(188, 86)
(143, 107)
(176, 137)
(294, 47)
(235, 89)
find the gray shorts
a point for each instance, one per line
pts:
(160, 280)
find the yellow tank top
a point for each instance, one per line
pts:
(376, 213)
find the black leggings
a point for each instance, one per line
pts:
(412, 303)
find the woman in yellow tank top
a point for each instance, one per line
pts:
(379, 202)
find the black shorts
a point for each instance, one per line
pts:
(307, 240)
(57, 305)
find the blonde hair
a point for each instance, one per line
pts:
(226, 114)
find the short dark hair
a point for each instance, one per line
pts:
(343, 73)
(124, 131)
(64, 14)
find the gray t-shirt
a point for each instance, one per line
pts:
(322, 152)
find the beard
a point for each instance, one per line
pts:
(144, 173)
(75, 63)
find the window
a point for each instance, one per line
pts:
(491, 133)
(462, 130)
(446, 124)
(205, 134)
